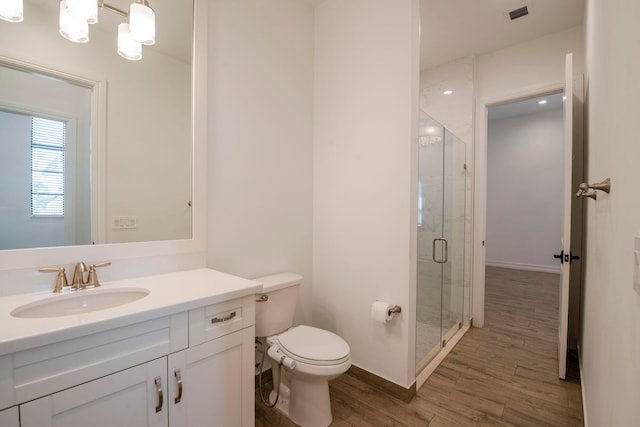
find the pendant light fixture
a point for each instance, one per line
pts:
(142, 22)
(11, 10)
(75, 16)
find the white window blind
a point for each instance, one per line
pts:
(47, 167)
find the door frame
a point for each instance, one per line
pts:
(479, 188)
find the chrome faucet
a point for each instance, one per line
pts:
(78, 281)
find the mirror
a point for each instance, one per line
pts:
(128, 164)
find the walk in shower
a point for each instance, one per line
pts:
(442, 180)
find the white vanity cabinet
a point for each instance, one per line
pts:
(205, 385)
(192, 368)
(9, 417)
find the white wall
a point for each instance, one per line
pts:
(610, 341)
(524, 191)
(365, 178)
(529, 65)
(260, 168)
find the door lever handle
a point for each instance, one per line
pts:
(570, 257)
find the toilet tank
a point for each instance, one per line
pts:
(276, 304)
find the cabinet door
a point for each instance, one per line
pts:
(9, 417)
(212, 384)
(134, 397)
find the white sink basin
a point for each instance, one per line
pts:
(84, 301)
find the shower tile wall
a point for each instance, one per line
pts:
(429, 297)
(455, 225)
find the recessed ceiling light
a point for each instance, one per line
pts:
(542, 101)
(447, 92)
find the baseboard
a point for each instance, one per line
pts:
(384, 385)
(522, 266)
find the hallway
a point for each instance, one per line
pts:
(504, 374)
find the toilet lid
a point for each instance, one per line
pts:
(314, 346)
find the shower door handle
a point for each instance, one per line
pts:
(446, 250)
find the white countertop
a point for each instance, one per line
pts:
(169, 294)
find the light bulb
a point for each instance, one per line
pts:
(128, 48)
(142, 22)
(84, 9)
(71, 26)
(11, 10)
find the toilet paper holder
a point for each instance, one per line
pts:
(395, 309)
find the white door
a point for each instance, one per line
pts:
(134, 397)
(565, 255)
(9, 417)
(212, 384)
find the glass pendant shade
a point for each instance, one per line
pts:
(84, 9)
(71, 26)
(128, 48)
(142, 22)
(11, 10)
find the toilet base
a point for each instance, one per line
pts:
(304, 401)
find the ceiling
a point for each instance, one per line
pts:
(451, 29)
(527, 106)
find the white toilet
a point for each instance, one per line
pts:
(309, 356)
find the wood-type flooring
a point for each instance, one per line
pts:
(504, 374)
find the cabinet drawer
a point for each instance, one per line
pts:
(43, 370)
(220, 319)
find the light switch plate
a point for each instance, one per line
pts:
(123, 222)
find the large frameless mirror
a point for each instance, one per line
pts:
(95, 148)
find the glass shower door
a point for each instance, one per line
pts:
(429, 267)
(453, 232)
(441, 236)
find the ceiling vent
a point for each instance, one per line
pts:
(518, 13)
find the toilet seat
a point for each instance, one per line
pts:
(314, 346)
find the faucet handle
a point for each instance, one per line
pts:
(92, 278)
(61, 278)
